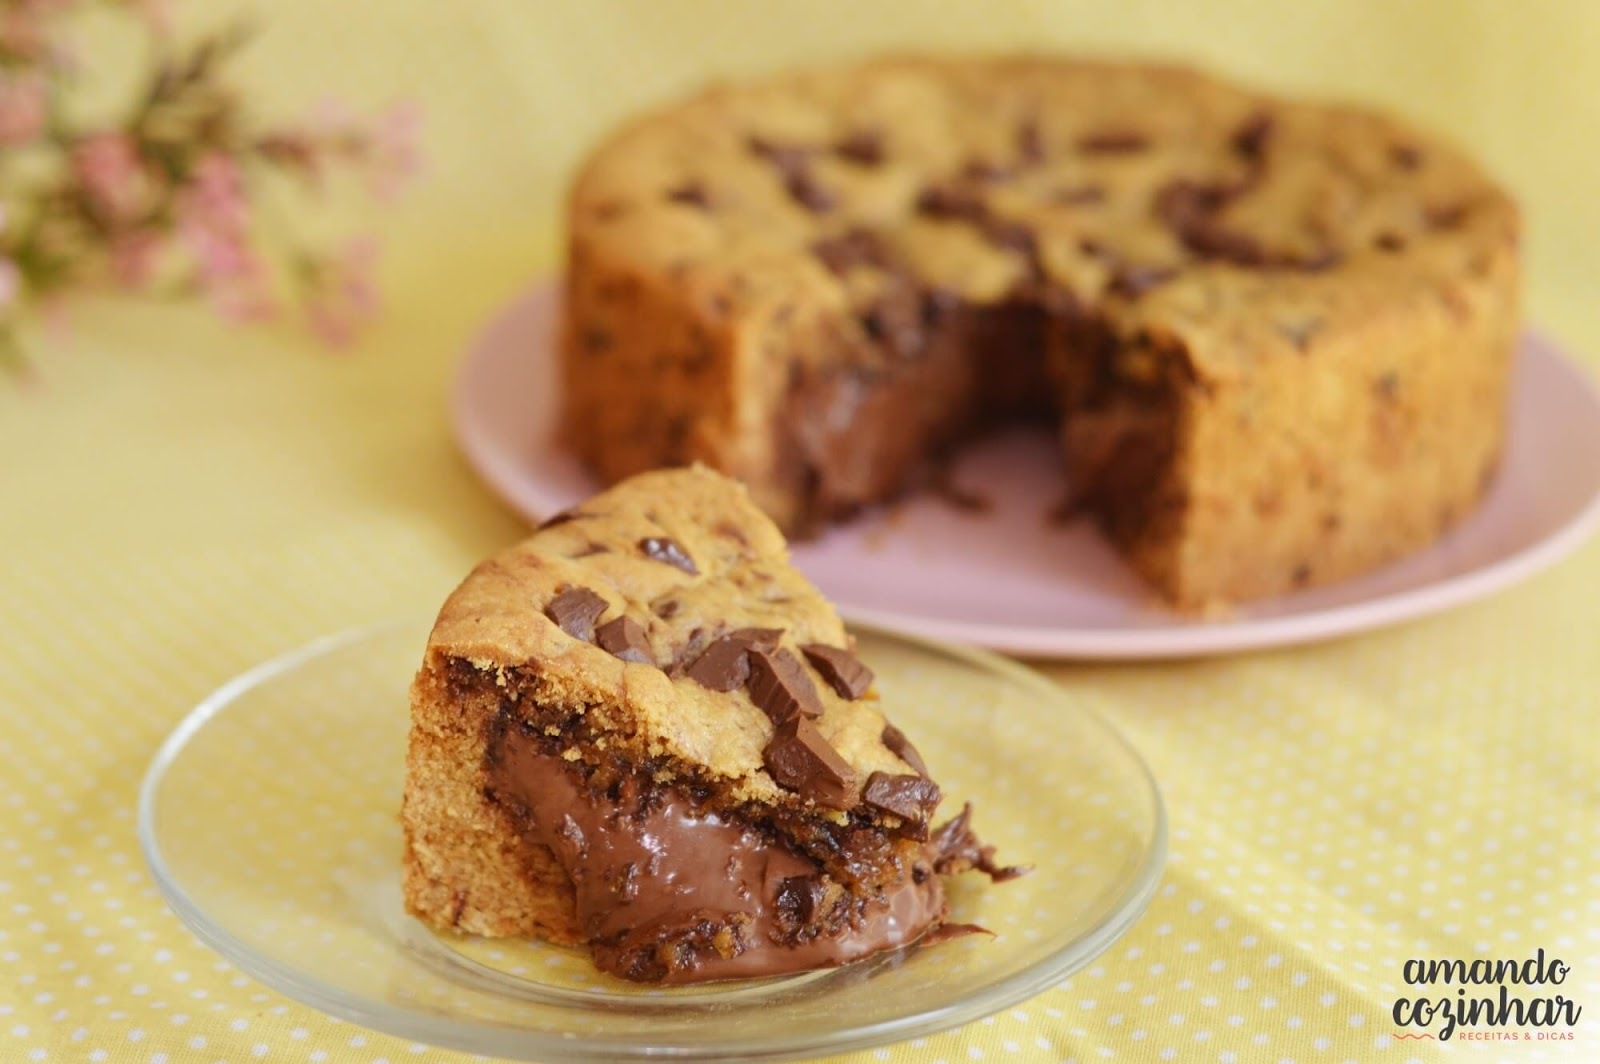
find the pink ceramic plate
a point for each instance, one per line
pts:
(1010, 579)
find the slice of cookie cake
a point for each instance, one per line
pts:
(642, 730)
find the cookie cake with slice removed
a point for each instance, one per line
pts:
(1274, 336)
(642, 730)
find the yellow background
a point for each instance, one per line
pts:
(180, 499)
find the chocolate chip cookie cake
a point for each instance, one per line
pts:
(1275, 335)
(642, 730)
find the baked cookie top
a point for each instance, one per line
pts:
(1167, 199)
(664, 614)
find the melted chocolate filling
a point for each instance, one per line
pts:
(874, 427)
(670, 892)
(865, 430)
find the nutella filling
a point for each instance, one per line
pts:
(862, 430)
(670, 894)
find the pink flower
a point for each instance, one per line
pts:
(216, 192)
(113, 177)
(23, 107)
(10, 274)
(343, 296)
(394, 153)
(213, 223)
(10, 284)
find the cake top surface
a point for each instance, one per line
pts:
(1167, 198)
(665, 615)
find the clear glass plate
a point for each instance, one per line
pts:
(269, 820)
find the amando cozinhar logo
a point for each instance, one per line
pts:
(1471, 1009)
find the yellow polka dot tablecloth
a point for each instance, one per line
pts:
(181, 499)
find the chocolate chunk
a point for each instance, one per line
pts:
(1132, 281)
(898, 745)
(1249, 141)
(895, 321)
(1182, 203)
(1030, 143)
(789, 158)
(1229, 245)
(690, 194)
(793, 163)
(847, 251)
(1114, 142)
(1078, 195)
(861, 147)
(558, 519)
(780, 687)
(1445, 217)
(956, 848)
(666, 610)
(946, 932)
(986, 171)
(662, 549)
(1211, 240)
(1190, 209)
(799, 758)
(624, 638)
(1389, 241)
(798, 900)
(1016, 237)
(908, 797)
(842, 669)
(1013, 236)
(763, 639)
(575, 610)
(951, 201)
(723, 666)
(1406, 156)
(804, 189)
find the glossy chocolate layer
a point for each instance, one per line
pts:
(861, 430)
(669, 894)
